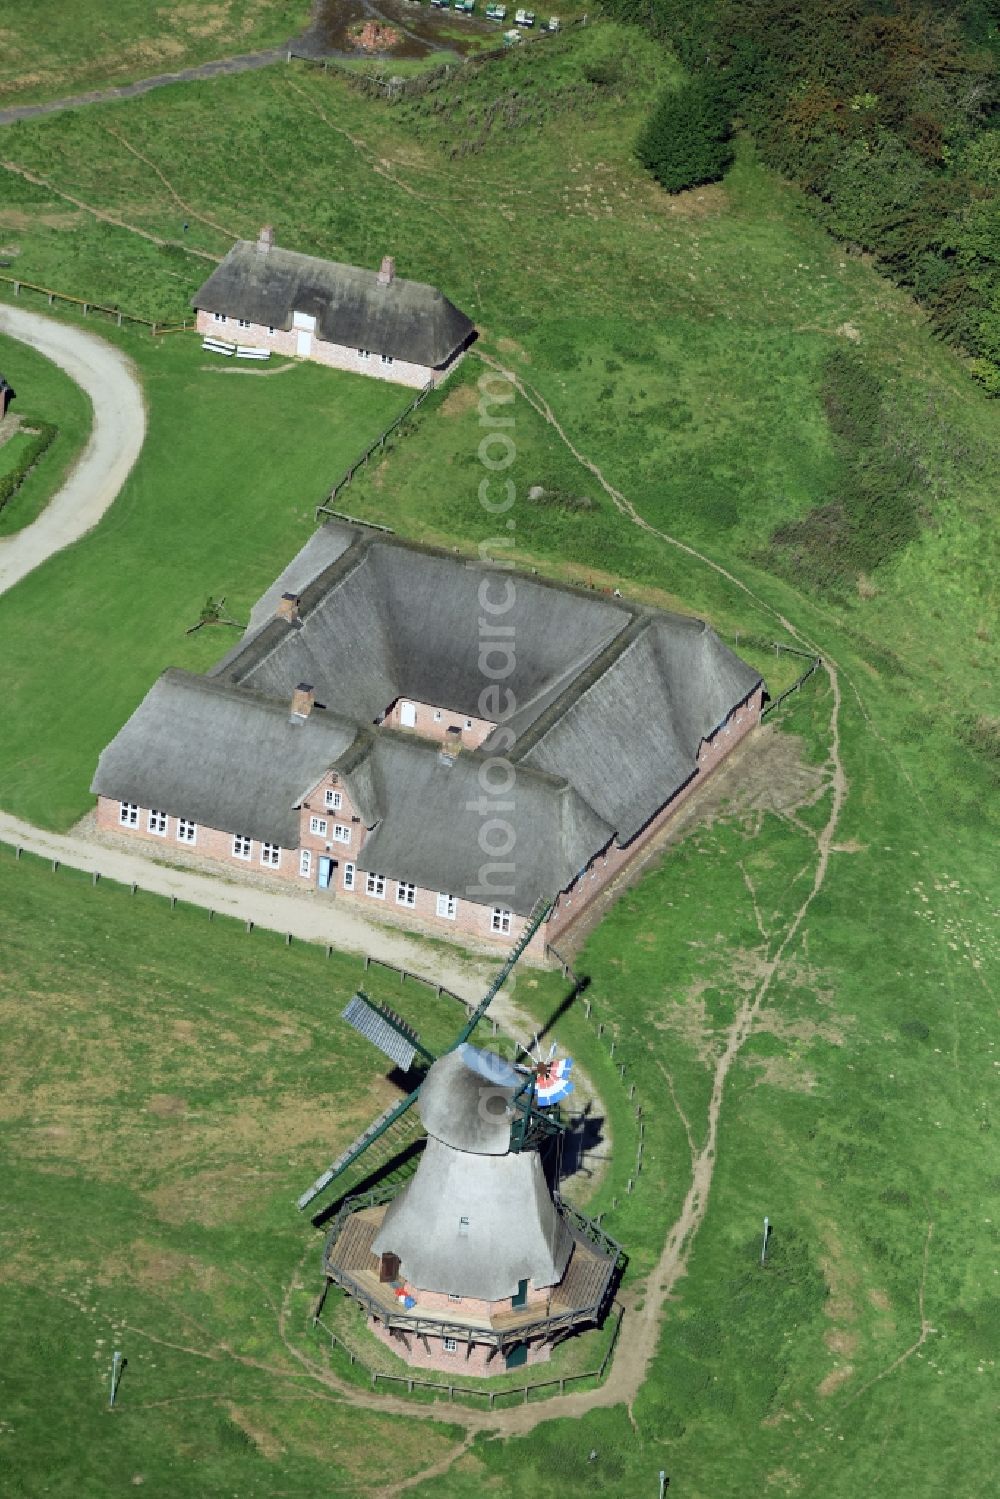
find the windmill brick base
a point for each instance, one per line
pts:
(474, 1264)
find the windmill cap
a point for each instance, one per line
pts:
(465, 1100)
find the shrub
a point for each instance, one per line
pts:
(43, 435)
(687, 140)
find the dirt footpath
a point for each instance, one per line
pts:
(110, 381)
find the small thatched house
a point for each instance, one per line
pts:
(370, 322)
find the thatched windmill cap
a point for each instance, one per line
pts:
(465, 1101)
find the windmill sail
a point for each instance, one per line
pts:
(386, 1030)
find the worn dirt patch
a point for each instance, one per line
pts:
(266, 1442)
(152, 1267)
(839, 1340)
(879, 1300)
(833, 1381)
(167, 1105)
(784, 1073)
(22, 219)
(462, 398)
(697, 202)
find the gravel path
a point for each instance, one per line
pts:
(111, 382)
(308, 920)
(245, 63)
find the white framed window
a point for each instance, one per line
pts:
(341, 832)
(333, 799)
(437, 715)
(450, 1345)
(348, 876)
(128, 814)
(270, 854)
(244, 322)
(270, 330)
(447, 906)
(453, 1297)
(156, 822)
(218, 317)
(468, 723)
(187, 831)
(242, 846)
(385, 358)
(463, 1226)
(305, 863)
(364, 354)
(318, 825)
(406, 894)
(500, 920)
(375, 885)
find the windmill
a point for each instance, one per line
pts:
(474, 1250)
(400, 1043)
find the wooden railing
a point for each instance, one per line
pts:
(120, 317)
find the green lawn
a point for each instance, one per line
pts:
(221, 498)
(45, 393)
(681, 343)
(67, 46)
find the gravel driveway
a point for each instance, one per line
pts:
(111, 382)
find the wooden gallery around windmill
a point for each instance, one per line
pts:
(475, 1264)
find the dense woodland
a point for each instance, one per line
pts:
(887, 113)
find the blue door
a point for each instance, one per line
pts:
(517, 1357)
(325, 871)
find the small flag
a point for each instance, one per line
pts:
(402, 1295)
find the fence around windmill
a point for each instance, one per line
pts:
(556, 1385)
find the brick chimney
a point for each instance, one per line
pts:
(288, 607)
(303, 699)
(388, 270)
(265, 239)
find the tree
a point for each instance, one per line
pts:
(687, 140)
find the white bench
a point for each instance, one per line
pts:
(218, 346)
(244, 351)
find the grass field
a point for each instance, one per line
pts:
(45, 393)
(222, 496)
(64, 47)
(681, 344)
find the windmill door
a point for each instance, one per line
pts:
(517, 1357)
(325, 871)
(521, 1297)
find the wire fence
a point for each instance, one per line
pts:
(116, 313)
(362, 462)
(556, 1385)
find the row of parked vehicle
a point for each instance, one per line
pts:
(524, 18)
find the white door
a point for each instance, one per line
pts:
(408, 715)
(305, 325)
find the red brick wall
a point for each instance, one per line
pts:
(210, 843)
(335, 356)
(428, 728)
(472, 919)
(452, 1363)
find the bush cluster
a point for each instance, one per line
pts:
(886, 112)
(874, 511)
(42, 438)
